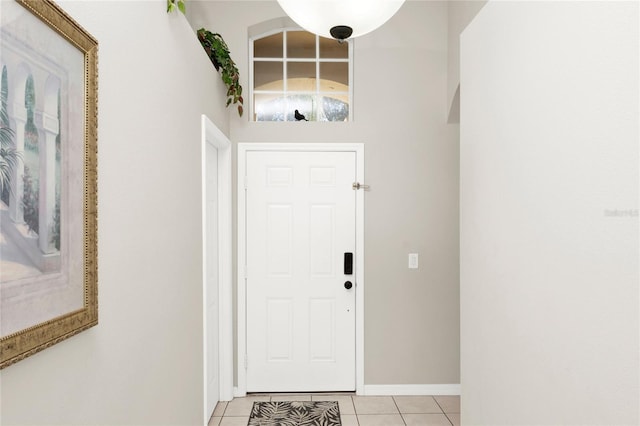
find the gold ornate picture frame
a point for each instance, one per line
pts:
(48, 178)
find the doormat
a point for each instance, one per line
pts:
(295, 413)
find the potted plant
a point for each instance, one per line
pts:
(218, 52)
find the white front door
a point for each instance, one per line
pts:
(301, 319)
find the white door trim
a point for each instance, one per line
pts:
(213, 136)
(243, 149)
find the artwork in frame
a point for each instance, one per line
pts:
(48, 178)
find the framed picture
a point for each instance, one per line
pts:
(48, 178)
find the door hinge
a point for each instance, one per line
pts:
(357, 185)
(246, 182)
(246, 362)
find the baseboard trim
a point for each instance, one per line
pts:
(438, 389)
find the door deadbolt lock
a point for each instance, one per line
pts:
(348, 285)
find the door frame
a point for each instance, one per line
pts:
(243, 149)
(211, 135)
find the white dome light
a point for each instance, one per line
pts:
(319, 16)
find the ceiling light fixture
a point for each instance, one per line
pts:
(340, 19)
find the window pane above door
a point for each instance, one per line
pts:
(332, 49)
(301, 70)
(268, 47)
(268, 76)
(301, 44)
(335, 72)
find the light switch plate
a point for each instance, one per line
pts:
(413, 260)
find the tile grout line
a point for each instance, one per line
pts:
(353, 404)
(447, 416)
(398, 408)
(443, 412)
(224, 410)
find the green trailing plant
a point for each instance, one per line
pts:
(172, 5)
(218, 52)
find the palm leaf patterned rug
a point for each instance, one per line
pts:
(295, 413)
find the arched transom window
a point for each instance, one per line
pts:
(294, 70)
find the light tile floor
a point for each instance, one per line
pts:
(356, 410)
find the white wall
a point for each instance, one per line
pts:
(460, 14)
(142, 364)
(549, 269)
(400, 114)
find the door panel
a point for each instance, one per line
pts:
(322, 328)
(321, 240)
(278, 247)
(279, 330)
(300, 318)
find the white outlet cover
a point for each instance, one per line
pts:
(413, 260)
